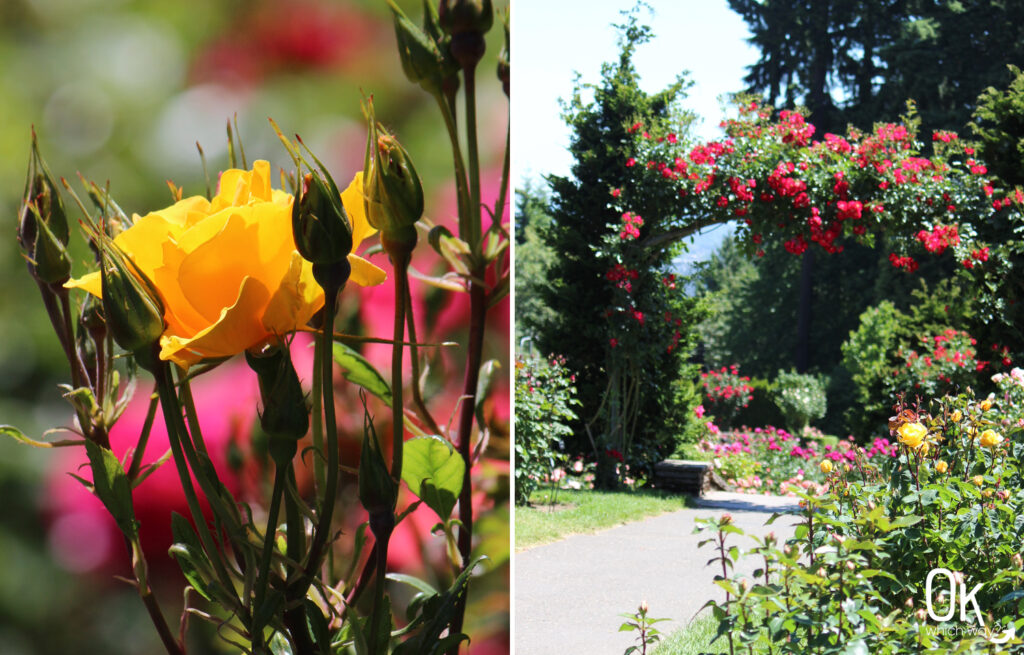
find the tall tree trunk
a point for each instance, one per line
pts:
(804, 316)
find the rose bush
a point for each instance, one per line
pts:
(227, 269)
(854, 578)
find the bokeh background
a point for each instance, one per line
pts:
(121, 91)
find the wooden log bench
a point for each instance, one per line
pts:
(683, 475)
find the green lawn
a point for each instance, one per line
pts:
(588, 511)
(694, 639)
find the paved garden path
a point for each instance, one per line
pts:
(569, 594)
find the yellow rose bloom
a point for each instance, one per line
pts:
(826, 466)
(990, 439)
(912, 434)
(941, 466)
(985, 405)
(227, 269)
(977, 480)
(956, 416)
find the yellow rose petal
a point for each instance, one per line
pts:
(209, 275)
(144, 241)
(238, 328)
(90, 282)
(296, 299)
(352, 199)
(364, 273)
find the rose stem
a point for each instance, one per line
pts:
(140, 572)
(323, 527)
(202, 467)
(140, 447)
(460, 167)
(172, 418)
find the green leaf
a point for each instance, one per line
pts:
(189, 554)
(412, 581)
(19, 436)
(488, 373)
(359, 371)
(437, 617)
(434, 471)
(112, 487)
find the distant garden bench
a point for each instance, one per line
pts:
(683, 475)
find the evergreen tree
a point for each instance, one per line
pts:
(635, 401)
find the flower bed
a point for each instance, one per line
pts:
(772, 461)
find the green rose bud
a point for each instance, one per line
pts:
(462, 16)
(131, 304)
(392, 188)
(320, 226)
(43, 225)
(422, 60)
(504, 59)
(378, 492)
(285, 416)
(466, 21)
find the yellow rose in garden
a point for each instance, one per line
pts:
(826, 467)
(941, 466)
(985, 405)
(227, 269)
(956, 416)
(990, 438)
(912, 434)
(978, 480)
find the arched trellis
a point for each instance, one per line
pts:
(774, 180)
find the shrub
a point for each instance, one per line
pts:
(761, 410)
(545, 397)
(801, 398)
(725, 393)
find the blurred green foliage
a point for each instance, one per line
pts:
(121, 91)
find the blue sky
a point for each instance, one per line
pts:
(555, 38)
